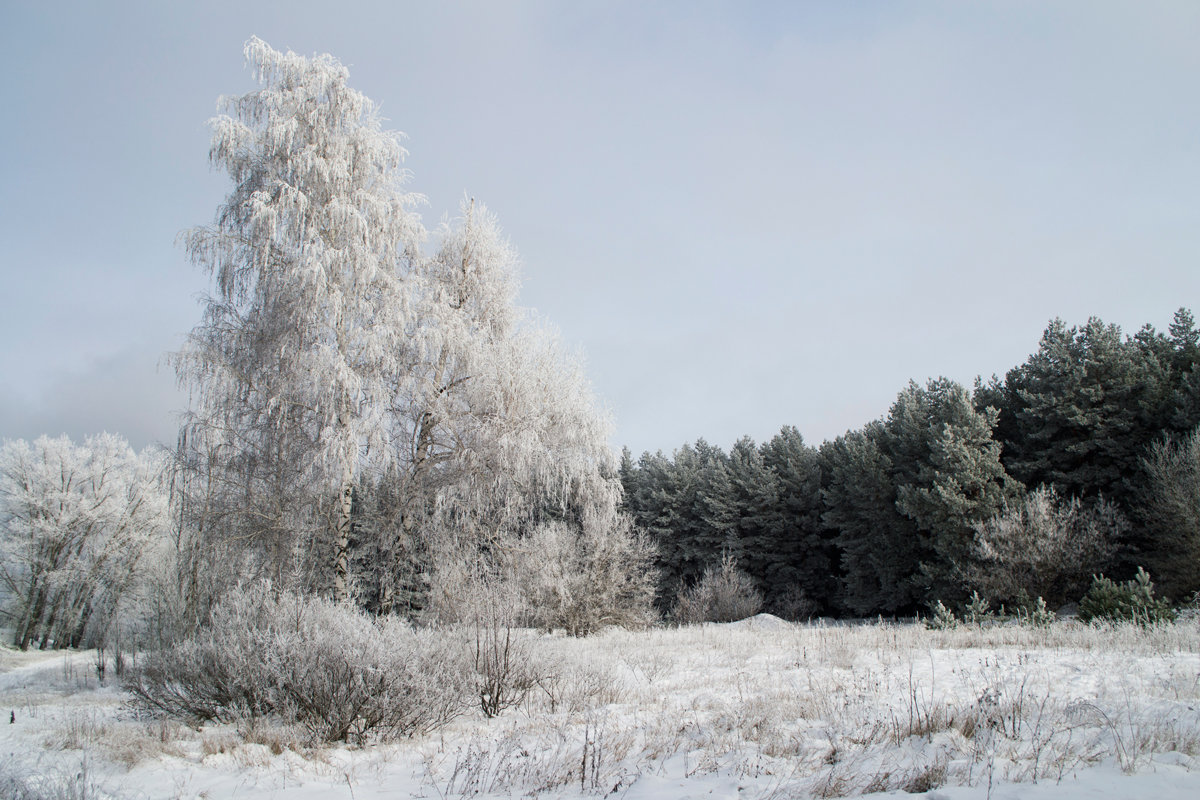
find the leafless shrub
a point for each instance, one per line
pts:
(506, 668)
(795, 605)
(649, 665)
(584, 577)
(323, 666)
(1042, 546)
(724, 594)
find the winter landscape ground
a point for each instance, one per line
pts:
(760, 708)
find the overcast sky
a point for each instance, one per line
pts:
(745, 215)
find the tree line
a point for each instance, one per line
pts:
(1085, 457)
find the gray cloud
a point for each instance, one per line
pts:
(745, 215)
(127, 393)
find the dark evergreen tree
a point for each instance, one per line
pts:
(715, 509)
(379, 540)
(755, 498)
(1080, 412)
(948, 476)
(1168, 514)
(883, 517)
(686, 505)
(805, 557)
(1185, 408)
(629, 475)
(660, 508)
(1183, 413)
(880, 557)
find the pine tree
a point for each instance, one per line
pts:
(802, 573)
(662, 504)
(755, 499)
(1079, 413)
(879, 546)
(1183, 413)
(716, 510)
(953, 481)
(1169, 516)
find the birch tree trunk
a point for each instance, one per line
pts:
(341, 555)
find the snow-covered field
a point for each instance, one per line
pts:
(761, 709)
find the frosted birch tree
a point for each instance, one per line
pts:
(295, 361)
(498, 428)
(76, 521)
(337, 361)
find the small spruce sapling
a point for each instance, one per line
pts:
(943, 619)
(978, 611)
(1130, 601)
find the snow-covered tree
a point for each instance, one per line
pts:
(75, 523)
(494, 426)
(296, 360)
(353, 392)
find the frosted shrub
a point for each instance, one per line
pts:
(1042, 546)
(724, 594)
(795, 605)
(506, 668)
(488, 607)
(583, 577)
(324, 667)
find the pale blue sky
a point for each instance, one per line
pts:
(744, 214)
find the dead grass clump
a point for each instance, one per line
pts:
(219, 743)
(124, 742)
(131, 744)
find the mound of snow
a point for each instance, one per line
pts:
(760, 622)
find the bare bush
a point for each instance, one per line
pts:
(583, 577)
(795, 605)
(506, 668)
(723, 594)
(488, 605)
(323, 666)
(1042, 546)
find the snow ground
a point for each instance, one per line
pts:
(758, 709)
